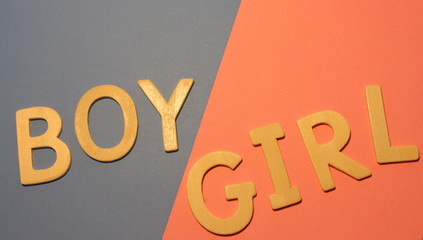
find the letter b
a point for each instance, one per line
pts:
(49, 139)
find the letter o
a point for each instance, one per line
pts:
(129, 117)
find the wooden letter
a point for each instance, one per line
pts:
(49, 139)
(244, 192)
(129, 117)
(267, 137)
(385, 153)
(168, 110)
(329, 154)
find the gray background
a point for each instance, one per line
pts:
(51, 53)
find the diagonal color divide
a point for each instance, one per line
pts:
(287, 60)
